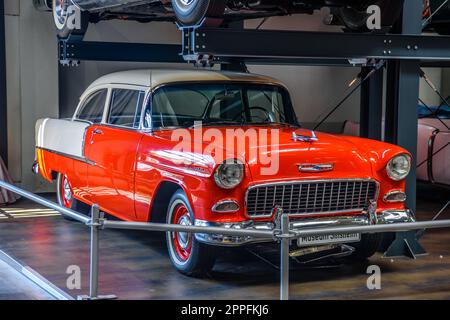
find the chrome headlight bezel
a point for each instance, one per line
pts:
(396, 173)
(232, 178)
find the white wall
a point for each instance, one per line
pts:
(32, 84)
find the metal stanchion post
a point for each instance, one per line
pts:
(284, 263)
(95, 225)
(93, 271)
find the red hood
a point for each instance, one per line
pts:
(285, 154)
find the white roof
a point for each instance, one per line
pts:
(156, 77)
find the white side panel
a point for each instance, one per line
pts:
(62, 136)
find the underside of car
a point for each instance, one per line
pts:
(350, 13)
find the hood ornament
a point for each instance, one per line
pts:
(316, 167)
(303, 138)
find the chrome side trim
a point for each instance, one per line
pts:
(92, 163)
(281, 183)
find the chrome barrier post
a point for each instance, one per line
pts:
(285, 237)
(95, 224)
(93, 271)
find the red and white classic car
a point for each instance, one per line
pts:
(209, 148)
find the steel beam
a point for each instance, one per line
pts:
(284, 45)
(77, 50)
(3, 101)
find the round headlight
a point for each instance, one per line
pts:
(229, 174)
(399, 166)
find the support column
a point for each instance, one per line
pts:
(402, 97)
(3, 104)
(371, 112)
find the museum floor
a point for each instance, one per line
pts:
(135, 265)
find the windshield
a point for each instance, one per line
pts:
(219, 104)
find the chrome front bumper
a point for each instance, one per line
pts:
(385, 217)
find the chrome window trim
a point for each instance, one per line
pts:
(153, 90)
(86, 95)
(110, 87)
(280, 183)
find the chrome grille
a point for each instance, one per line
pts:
(311, 197)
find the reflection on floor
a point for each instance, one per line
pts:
(134, 265)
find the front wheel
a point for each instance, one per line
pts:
(192, 12)
(68, 19)
(188, 256)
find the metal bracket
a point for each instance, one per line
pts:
(405, 244)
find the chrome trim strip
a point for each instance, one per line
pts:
(92, 163)
(274, 184)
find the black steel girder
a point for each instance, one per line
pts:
(297, 46)
(73, 50)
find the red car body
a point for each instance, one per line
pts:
(132, 173)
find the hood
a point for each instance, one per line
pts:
(271, 153)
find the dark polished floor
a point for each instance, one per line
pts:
(134, 265)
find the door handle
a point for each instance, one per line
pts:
(98, 131)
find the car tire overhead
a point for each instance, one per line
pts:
(355, 18)
(192, 12)
(61, 19)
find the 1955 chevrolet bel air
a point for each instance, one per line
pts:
(210, 148)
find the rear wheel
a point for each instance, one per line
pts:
(355, 18)
(192, 12)
(188, 256)
(68, 19)
(64, 193)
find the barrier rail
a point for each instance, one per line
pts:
(281, 234)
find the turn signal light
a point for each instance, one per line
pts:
(395, 196)
(226, 206)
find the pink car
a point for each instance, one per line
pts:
(433, 145)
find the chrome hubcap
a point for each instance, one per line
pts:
(183, 237)
(67, 190)
(187, 2)
(60, 12)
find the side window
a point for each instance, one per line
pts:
(126, 107)
(93, 107)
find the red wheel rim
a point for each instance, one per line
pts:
(182, 241)
(66, 192)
